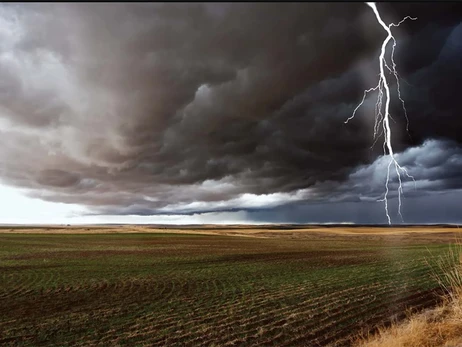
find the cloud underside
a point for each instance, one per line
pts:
(142, 109)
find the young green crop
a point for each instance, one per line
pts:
(167, 289)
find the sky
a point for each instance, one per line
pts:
(171, 113)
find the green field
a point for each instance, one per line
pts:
(190, 290)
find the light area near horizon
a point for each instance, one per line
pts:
(17, 208)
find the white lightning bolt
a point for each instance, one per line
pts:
(384, 118)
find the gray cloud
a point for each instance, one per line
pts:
(444, 208)
(161, 108)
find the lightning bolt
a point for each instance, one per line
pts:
(382, 111)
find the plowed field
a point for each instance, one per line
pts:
(160, 289)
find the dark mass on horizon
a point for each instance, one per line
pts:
(227, 113)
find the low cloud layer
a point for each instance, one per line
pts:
(145, 109)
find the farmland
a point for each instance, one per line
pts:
(105, 287)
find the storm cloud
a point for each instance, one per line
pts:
(175, 108)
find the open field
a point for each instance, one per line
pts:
(158, 287)
(445, 233)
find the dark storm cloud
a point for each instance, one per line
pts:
(443, 208)
(57, 178)
(435, 166)
(164, 108)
